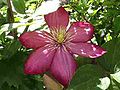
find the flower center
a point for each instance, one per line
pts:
(60, 37)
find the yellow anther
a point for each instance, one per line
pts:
(60, 37)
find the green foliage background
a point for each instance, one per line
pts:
(93, 74)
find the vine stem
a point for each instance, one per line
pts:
(10, 18)
(10, 12)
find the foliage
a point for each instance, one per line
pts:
(93, 74)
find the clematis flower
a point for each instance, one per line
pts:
(54, 51)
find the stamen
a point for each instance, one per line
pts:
(59, 35)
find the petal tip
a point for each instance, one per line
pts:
(104, 51)
(98, 55)
(28, 71)
(58, 18)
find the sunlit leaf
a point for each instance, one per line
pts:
(116, 76)
(84, 2)
(12, 26)
(105, 82)
(19, 6)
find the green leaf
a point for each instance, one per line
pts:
(83, 1)
(4, 1)
(31, 83)
(0, 1)
(82, 60)
(114, 85)
(93, 84)
(87, 77)
(11, 49)
(11, 70)
(19, 6)
(117, 67)
(117, 25)
(5, 86)
(111, 58)
(116, 75)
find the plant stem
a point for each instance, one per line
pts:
(10, 18)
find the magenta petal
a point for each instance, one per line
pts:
(57, 19)
(63, 66)
(86, 49)
(34, 39)
(39, 61)
(81, 31)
